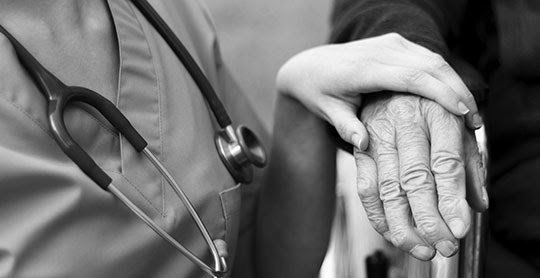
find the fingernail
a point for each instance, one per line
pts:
(463, 108)
(485, 197)
(458, 228)
(446, 248)
(477, 121)
(358, 142)
(422, 252)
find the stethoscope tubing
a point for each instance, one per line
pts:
(58, 95)
(219, 268)
(220, 265)
(182, 53)
(238, 152)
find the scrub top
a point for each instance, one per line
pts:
(56, 222)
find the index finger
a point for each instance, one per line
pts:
(437, 66)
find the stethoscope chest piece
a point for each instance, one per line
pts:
(240, 150)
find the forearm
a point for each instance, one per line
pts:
(297, 202)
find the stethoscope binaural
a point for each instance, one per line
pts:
(238, 149)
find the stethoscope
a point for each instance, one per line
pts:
(239, 149)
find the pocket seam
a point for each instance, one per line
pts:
(138, 191)
(28, 116)
(226, 212)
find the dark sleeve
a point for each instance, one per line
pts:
(430, 23)
(434, 24)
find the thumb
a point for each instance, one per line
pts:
(349, 127)
(476, 175)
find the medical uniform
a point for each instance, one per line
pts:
(56, 222)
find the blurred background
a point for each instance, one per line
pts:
(257, 37)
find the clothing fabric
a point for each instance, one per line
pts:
(488, 42)
(55, 222)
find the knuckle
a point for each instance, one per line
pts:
(361, 158)
(389, 190)
(452, 186)
(430, 229)
(445, 162)
(394, 36)
(400, 238)
(469, 98)
(365, 189)
(371, 205)
(438, 114)
(439, 64)
(449, 206)
(436, 58)
(414, 78)
(416, 176)
(344, 128)
(433, 106)
(380, 129)
(379, 224)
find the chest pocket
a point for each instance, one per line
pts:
(231, 202)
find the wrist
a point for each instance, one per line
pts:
(286, 80)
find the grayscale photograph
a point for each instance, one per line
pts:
(269, 139)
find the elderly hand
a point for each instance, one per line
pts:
(412, 181)
(422, 153)
(330, 79)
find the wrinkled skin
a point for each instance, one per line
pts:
(418, 148)
(412, 179)
(331, 80)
